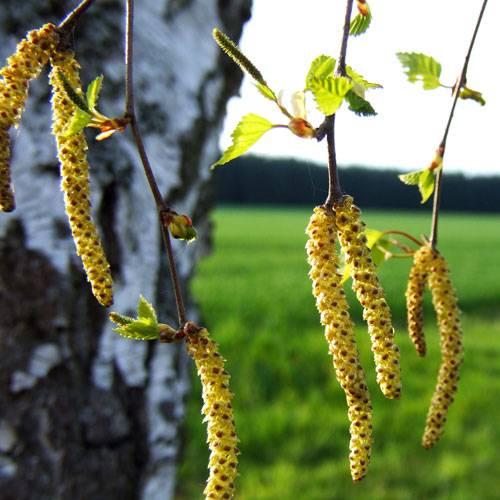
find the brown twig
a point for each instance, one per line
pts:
(68, 23)
(161, 206)
(328, 126)
(459, 85)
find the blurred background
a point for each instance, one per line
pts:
(85, 414)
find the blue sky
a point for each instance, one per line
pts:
(284, 36)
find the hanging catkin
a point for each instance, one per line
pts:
(370, 294)
(339, 332)
(218, 411)
(7, 203)
(417, 281)
(32, 53)
(72, 153)
(448, 318)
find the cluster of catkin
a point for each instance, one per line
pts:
(37, 49)
(326, 226)
(430, 268)
(31, 55)
(218, 411)
(339, 332)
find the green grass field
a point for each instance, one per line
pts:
(256, 300)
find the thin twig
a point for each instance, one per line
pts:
(68, 23)
(161, 206)
(341, 71)
(328, 127)
(439, 176)
(334, 188)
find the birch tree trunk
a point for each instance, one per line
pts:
(84, 413)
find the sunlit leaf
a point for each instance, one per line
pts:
(359, 105)
(411, 178)
(78, 122)
(93, 91)
(330, 92)
(421, 68)
(120, 319)
(360, 79)
(321, 68)
(360, 23)
(426, 184)
(250, 129)
(75, 95)
(474, 95)
(145, 310)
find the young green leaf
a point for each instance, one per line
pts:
(426, 184)
(73, 94)
(139, 330)
(411, 178)
(79, 121)
(321, 68)
(250, 129)
(358, 105)
(467, 93)
(145, 311)
(120, 319)
(421, 68)
(360, 24)
(360, 80)
(330, 92)
(93, 91)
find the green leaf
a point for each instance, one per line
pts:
(360, 79)
(250, 129)
(145, 311)
(360, 24)
(426, 184)
(411, 178)
(421, 68)
(79, 121)
(359, 105)
(330, 92)
(138, 330)
(467, 93)
(267, 92)
(75, 95)
(93, 91)
(120, 319)
(321, 68)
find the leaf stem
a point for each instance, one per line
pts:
(403, 233)
(459, 85)
(161, 206)
(327, 128)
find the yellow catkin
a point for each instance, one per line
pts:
(417, 280)
(370, 294)
(339, 332)
(32, 53)
(7, 203)
(218, 411)
(448, 318)
(72, 152)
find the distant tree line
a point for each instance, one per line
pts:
(256, 180)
